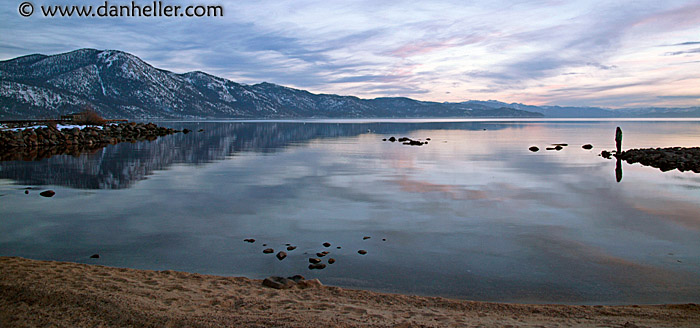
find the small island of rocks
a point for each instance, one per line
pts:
(665, 159)
(41, 141)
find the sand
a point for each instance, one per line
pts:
(57, 294)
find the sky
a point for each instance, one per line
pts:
(612, 54)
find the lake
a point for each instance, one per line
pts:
(473, 214)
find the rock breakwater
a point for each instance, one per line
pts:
(665, 159)
(43, 142)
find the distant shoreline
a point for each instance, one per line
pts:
(40, 293)
(421, 119)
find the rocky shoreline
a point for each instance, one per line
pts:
(44, 142)
(665, 159)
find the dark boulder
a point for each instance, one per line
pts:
(296, 278)
(534, 149)
(278, 283)
(47, 193)
(318, 266)
(327, 244)
(413, 143)
(291, 248)
(362, 252)
(95, 256)
(392, 139)
(313, 260)
(268, 251)
(331, 260)
(281, 255)
(587, 146)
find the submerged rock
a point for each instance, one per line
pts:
(47, 193)
(362, 252)
(95, 256)
(249, 240)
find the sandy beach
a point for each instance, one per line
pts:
(44, 293)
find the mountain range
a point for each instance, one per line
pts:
(117, 84)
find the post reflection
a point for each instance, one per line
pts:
(618, 170)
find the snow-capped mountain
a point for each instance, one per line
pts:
(121, 85)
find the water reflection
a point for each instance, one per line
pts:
(618, 170)
(474, 214)
(119, 166)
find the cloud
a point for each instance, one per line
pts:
(697, 96)
(676, 53)
(443, 50)
(689, 43)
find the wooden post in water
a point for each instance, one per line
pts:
(618, 140)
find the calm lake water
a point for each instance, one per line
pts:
(473, 214)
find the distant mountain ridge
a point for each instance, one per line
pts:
(120, 85)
